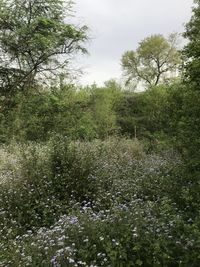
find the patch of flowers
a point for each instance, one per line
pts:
(96, 204)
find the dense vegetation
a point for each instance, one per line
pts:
(96, 176)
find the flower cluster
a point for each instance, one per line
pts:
(94, 204)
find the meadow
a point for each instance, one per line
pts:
(99, 203)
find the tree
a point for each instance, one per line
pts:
(35, 39)
(142, 114)
(192, 49)
(102, 108)
(190, 127)
(154, 60)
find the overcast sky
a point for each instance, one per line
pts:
(118, 25)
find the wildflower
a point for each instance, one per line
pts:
(71, 260)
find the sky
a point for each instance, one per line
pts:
(118, 25)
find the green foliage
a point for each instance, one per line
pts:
(143, 114)
(33, 37)
(83, 114)
(189, 126)
(69, 199)
(192, 49)
(103, 102)
(153, 61)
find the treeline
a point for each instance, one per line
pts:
(33, 36)
(91, 112)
